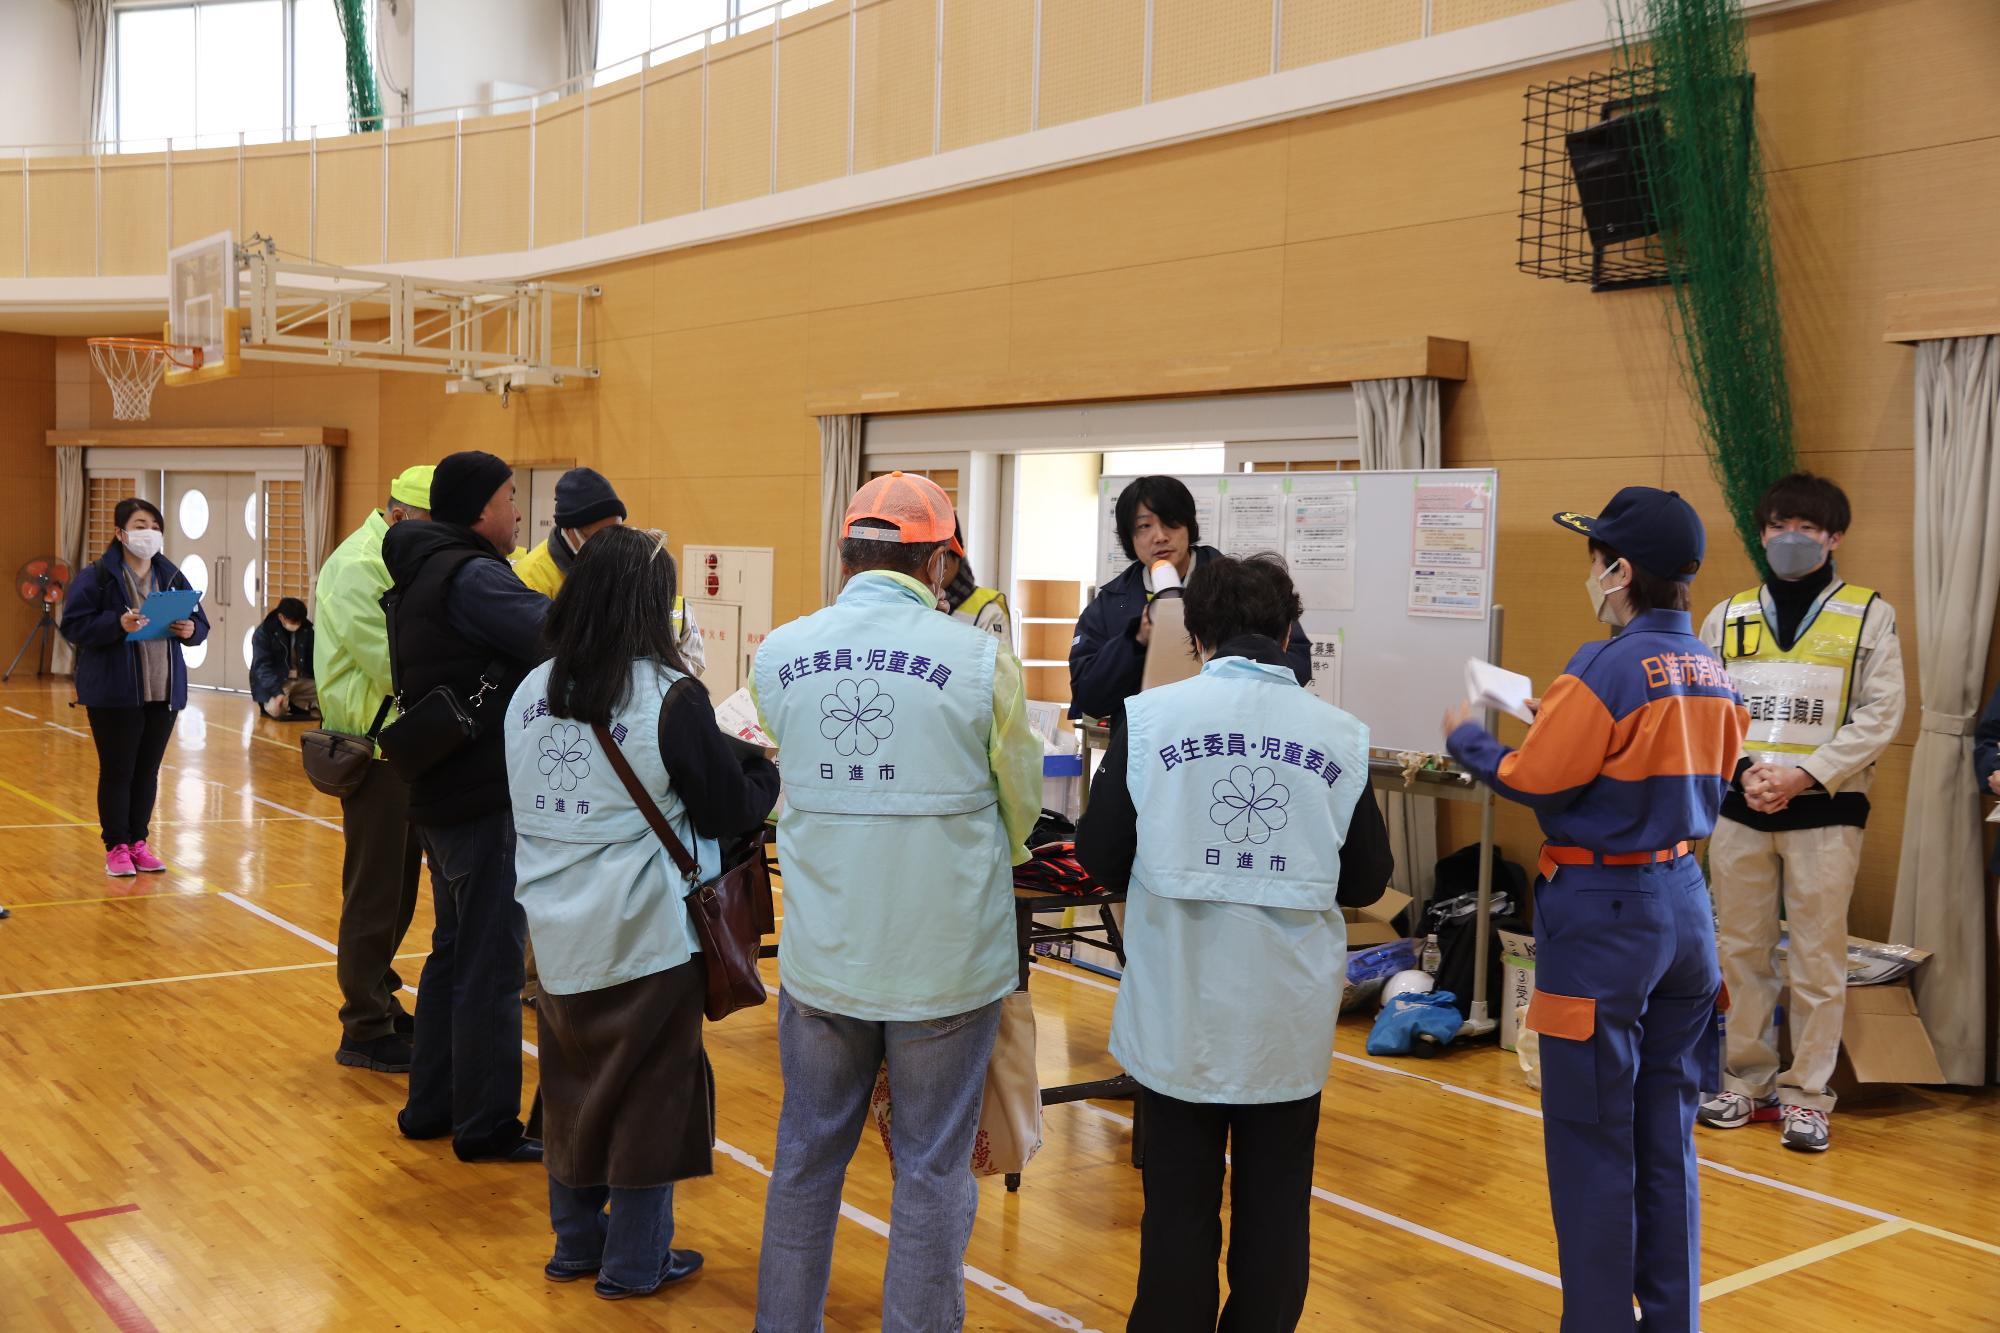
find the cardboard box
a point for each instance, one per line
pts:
(1882, 1043)
(1517, 984)
(1371, 924)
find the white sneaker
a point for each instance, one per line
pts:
(1732, 1110)
(1806, 1129)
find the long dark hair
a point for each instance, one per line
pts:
(616, 607)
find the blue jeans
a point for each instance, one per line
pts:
(465, 1071)
(1635, 948)
(627, 1248)
(937, 1079)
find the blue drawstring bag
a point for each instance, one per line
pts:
(1423, 1021)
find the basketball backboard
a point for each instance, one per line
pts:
(201, 298)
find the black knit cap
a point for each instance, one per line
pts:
(463, 483)
(583, 496)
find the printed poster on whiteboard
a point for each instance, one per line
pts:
(1449, 573)
(1320, 540)
(1326, 654)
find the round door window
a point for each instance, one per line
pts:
(195, 654)
(250, 583)
(194, 515)
(250, 514)
(249, 650)
(196, 570)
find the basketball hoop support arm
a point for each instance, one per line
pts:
(489, 336)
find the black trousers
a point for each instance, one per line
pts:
(130, 744)
(1270, 1149)
(379, 876)
(465, 1070)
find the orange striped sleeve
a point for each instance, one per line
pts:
(1565, 748)
(1679, 735)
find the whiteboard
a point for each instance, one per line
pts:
(1395, 570)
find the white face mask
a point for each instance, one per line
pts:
(1600, 604)
(143, 542)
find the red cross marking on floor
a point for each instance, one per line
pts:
(41, 1217)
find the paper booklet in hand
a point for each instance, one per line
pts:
(737, 716)
(1489, 686)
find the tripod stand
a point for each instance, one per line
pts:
(46, 625)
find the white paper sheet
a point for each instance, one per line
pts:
(1489, 686)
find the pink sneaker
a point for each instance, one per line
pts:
(118, 861)
(143, 858)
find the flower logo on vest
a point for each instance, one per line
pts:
(565, 757)
(1249, 804)
(856, 716)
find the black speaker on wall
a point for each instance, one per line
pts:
(1608, 163)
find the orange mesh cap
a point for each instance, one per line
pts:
(920, 511)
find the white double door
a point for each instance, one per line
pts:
(213, 535)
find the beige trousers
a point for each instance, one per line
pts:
(1811, 872)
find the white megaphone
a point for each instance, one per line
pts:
(1169, 652)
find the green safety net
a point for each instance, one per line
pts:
(1704, 174)
(364, 102)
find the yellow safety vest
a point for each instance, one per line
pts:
(969, 609)
(1798, 697)
(538, 569)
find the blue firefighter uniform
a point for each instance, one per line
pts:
(1625, 766)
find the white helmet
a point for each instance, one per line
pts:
(1410, 982)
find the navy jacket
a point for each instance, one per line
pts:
(1106, 663)
(107, 664)
(1986, 757)
(271, 657)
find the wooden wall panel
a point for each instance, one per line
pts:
(894, 89)
(1191, 199)
(614, 160)
(739, 125)
(812, 101)
(673, 144)
(493, 194)
(752, 278)
(1201, 44)
(1451, 15)
(13, 242)
(1221, 306)
(559, 173)
(933, 245)
(1317, 30)
(27, 466)
(277, 198)
(988, 69)
(205, 194)
(349, 191)
(421, 170)
(1093, 57)
(135, 215)
(62, 220)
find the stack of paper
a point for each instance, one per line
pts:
(737, 715)
(1489, 686)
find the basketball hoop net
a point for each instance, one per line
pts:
(134, 367)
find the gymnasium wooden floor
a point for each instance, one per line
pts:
(181, 1152)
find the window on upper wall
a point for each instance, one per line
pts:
(201, 74)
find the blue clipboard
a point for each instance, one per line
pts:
(163, 609)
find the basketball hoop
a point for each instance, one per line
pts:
(134, 367)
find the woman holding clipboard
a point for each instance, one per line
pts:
(132, 688)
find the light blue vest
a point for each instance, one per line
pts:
(898, 877)
(1235, 948)
(604, 902)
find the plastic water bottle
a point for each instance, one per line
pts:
(1432, 956)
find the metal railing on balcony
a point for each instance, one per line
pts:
(791, 94)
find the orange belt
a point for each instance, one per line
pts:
(1553, 856)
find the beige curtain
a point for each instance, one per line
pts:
(839, 478)
(72, 493)
(93, 45)
(1397, 421)
(580, 27)
(317, 499)
(1941, 883)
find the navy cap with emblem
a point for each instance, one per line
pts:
(1656, 530)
